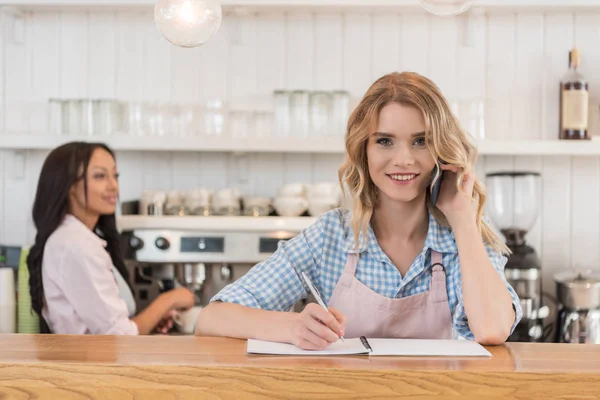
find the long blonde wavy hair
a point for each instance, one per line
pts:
(445, 138)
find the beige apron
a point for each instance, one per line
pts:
(421, 316)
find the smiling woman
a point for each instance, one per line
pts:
(394, 264)
(78, 279)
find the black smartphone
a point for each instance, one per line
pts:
(435, 189)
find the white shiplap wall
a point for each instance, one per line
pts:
(510, 61)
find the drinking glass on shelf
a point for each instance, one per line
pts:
(171, 119)
(191, 120)
(87, 117)
(134, 120)
(471, 114)
(299, 105)
(340, 112)
(72, 117)
(107, 117)
(55, 116)
(263, 123)
(240, 123)
(282, 112)
(214, 117)
(156, 115)
(320, 113)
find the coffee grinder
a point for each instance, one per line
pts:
(513, 206)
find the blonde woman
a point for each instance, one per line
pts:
(393, 264)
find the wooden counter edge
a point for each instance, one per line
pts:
(74, 381)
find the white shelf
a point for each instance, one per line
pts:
(539, 147)
(198, 144)
(216, 224)
(332, 145)
(319, 4)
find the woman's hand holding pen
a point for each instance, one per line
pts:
(315, 328)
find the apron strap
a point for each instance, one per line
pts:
(349, 270)
(438, 278)
(351, 263)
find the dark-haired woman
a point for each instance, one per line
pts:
(78, 279)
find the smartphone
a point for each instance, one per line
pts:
(435, 189)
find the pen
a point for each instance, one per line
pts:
(315, 293)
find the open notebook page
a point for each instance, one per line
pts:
(427, 347)
(346, 347)
(380, 347)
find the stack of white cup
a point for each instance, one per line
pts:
(291, 200)
(198, 201)
(227, 202)
(322, 197)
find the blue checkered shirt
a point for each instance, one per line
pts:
(321, 251)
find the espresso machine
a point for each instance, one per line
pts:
(513, 206)
(203, 260)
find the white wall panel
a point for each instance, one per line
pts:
(469, 97)
(102, 55)
(186, 74)
(215, 61)
(328, 51)
(74, 54)
(386, 44)
(358, 53)
(500, 76)
(244, 51)
(443, 55)
(298, 168)
(17, 85)
(156, 74)
(130, 56)
(46, 66)
(414, 52)
(131, 168)
(527, 92)
(300, 65)
(270, 52)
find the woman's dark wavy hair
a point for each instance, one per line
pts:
(63, 167)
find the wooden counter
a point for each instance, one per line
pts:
(111, 367)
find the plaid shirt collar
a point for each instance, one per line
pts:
(439, 238)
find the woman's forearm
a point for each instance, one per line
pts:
(148, 319)
(237, 321)
(487, 301)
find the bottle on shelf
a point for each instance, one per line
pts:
(574, 102)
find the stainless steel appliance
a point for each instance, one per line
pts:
(513, 206)
(203, 261)
(579, 318)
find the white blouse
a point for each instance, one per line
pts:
(83, 291)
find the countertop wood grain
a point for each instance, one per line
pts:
(181, 367)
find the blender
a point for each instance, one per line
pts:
(513, 207)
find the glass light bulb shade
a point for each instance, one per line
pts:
(188, 23)
(446, 8)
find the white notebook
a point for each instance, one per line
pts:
(376, 347)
